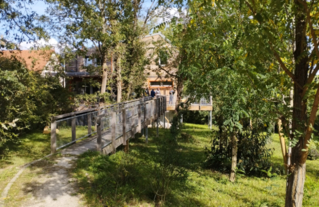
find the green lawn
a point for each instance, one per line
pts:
(64, 134)
(128, 179)
(32, 146)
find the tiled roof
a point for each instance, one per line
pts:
(34, 60)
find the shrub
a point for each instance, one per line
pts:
(168, 169)
(196, 117)
(252, 157)
(28, 98)
(313, 154)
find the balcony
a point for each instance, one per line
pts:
(202, 105)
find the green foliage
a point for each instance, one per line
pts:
(196, 117)
(128, 177)
(253, 154)
(313, 154)
(269, 172)
(176, 126)
(27, 100)
(92, 99)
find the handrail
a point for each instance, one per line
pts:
(68, 128)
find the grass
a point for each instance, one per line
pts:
(32, 146)
(64, 134)
(128, 179)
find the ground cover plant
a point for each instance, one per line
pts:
(128, 179)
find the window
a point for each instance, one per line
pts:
(163, 57)
(155, 83)
(88, 61)
(167, 83)
(98, 62)
(161, 83)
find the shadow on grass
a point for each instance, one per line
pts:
(149, 173)
(30, 146)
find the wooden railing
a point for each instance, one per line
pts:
(113, 125)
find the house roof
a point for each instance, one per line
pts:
(34, 60)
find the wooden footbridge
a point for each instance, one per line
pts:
(112, 125)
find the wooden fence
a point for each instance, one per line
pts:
(113, 125)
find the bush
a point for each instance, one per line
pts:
(252, 155)
(28, 98)
(313, 154)
(168, 169)
(196, 117)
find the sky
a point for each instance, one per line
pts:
(40, 7)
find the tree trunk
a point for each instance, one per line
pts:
(179, 90)
(104, 54)
(119, 81)
(104, 74)
(233, 158)
(282, 144)
(297, 169)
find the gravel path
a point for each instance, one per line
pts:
(55, 187)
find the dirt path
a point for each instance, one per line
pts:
(53, 185)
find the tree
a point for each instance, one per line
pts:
(20, 23)
(96, 22)
(278, 40)
(27, 100)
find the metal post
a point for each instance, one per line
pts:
(74, 129)
(113, 123)
(99, 134)
(164, 120)
(89, 124)
(53, 136)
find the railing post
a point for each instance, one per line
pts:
(73, 128)
(157, 127)
(113, 125)
(99, 134)
(125, 142)
(146, 134)
(139, 124)
(89, 123)
(146, 124)
(53, 135)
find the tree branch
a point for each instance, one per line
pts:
(282, 65)
(251, 8)
(166, 71)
